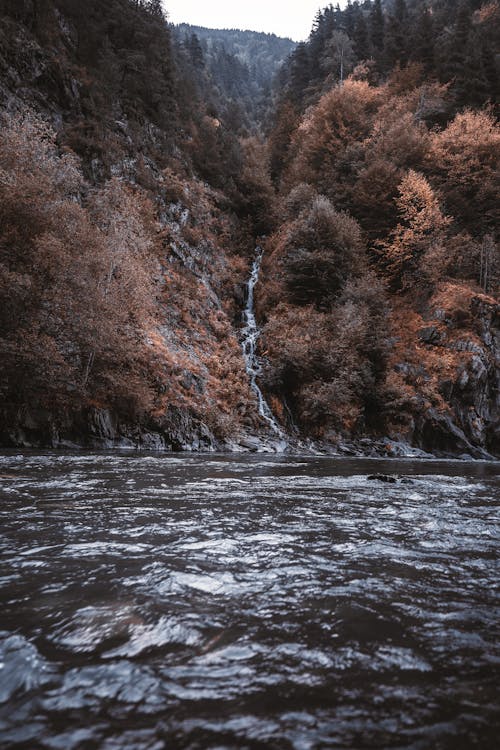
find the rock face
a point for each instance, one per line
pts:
(177, 430)
(470, 425)
(476, 393)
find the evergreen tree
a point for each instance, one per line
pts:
(361, 41)
(324, 25)
(471, 84)
(350, 17)
(396, 37)
(154, 7)
(463, 61)
(457, 42)
(423, 38)
(300, 74)
(377, 29)
(490, 72)
(195, 50)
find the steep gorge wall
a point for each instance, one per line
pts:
(194, 383)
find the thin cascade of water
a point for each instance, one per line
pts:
(250, 335)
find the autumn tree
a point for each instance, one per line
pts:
(324, 248)
(326, 140)
(76, 282)
(413, 254)
(463, 160)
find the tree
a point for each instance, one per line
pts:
(155, 9)
(324, 248)
(327, 141)
(396, 36)
(422, 49)
(361, 40)
(420, 233)
(489, 264)
(76, 283)
(256, 190)
(462, 60)
(339, 56)
(280, 138)
(300, 73)
(463, 160)
(195, 50)
(377, 29)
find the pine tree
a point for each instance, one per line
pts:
(361, 41)
(396, 37)
(423, 38)
(471, 85)
(350, 17)
(491, 72)
(154, 8)
(377, 29)
(324, 25)
(195, 51)
(457, 43)
(300, 73)
(463, 63)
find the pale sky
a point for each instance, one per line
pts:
(290, 18)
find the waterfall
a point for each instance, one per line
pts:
(250, 335)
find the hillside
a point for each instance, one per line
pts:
(381, 296)
(118, 259)
(262, 53)
(240, 65)
(136, 184)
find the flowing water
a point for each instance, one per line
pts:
(168, 601)
(250, 334)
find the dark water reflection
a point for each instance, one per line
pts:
(154, 602)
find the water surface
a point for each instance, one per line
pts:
(152, 602)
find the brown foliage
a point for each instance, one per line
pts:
(342, 117)
(464, 161)
(75, 282)
(415, 252)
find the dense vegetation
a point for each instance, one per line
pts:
(115, 283)
(240, 66)
(134, 181)
(385, 154)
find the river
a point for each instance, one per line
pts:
(191, 601)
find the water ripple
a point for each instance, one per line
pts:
(257, 602)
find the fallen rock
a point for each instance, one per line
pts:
(382, 478)
(250, 442)
(430, 335)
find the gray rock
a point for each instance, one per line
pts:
(431, 335)
(381, 478)
(251, 442)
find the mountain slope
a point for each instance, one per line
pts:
(240, 65)
(117, 263)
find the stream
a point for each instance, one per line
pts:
(203, 601)
(250, 335)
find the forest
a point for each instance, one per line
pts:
(141, 165)
(240, 66)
